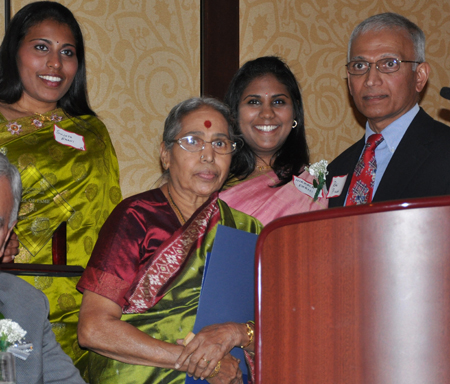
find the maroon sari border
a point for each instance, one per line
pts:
(154, 278)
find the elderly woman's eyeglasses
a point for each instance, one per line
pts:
(196, 144)
(388, 65)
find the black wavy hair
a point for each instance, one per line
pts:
(75, 101)
(294, 153)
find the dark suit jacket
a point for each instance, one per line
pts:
(28, 307)
(420, 166)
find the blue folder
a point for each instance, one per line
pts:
(228, 286)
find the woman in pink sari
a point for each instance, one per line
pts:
(265, 99)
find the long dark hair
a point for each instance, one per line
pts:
(294, 153)
(75, 101)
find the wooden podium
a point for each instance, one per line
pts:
(355, 295)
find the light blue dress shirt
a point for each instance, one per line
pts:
(392, 135)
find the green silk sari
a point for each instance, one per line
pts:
(61, 183)
(168, 312)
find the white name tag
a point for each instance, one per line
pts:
(305, 187)
(69, 138)
(337, 185)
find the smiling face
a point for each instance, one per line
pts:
(47, 64)
(384, 97)
(192, 175)
(266, 115)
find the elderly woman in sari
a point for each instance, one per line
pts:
(142, 284)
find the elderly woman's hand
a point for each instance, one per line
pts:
(210, 345)
(11, 249)
(229, 372)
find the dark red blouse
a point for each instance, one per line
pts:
(130, 236)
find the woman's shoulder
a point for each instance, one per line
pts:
(150, 198)
(92, 121)
(91, 118)
(242, 221)
(137, 218)
(258, 187)
(89, 123)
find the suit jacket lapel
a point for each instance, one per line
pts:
(407, 159)
(348, 165)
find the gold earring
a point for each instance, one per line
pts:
(295, 124)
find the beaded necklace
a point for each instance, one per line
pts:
(175, 208)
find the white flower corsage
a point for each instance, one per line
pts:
(319, 172)
(11, 339)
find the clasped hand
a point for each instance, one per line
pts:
(211, 345)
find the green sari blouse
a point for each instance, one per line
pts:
(69, 173)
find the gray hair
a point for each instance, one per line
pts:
(12, 174)
(392, 21)
(172, 125)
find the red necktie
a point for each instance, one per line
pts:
(361, 186)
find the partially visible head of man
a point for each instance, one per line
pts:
(391, 21)
(10, 195)
(392, 50)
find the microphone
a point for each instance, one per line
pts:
(445, 93)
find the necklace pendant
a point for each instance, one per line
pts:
(263, 167)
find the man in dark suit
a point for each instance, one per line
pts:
(386, 73)
(24, 304)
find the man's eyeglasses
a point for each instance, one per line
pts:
(196, 144)
(388, 65)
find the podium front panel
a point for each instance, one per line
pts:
(356, 299)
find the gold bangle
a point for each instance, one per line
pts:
(250, 334)
(216, 371)
(188, 338)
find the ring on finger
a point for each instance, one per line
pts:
(216, 370)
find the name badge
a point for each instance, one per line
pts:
(305, 187)
(337, 185)
(69, 139)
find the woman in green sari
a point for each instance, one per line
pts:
(142, 284)
(68, 166)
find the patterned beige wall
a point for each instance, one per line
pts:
(143, 57)
(312, 36)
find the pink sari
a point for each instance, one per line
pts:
(256, 198)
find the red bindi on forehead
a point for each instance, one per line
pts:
(207, 124)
